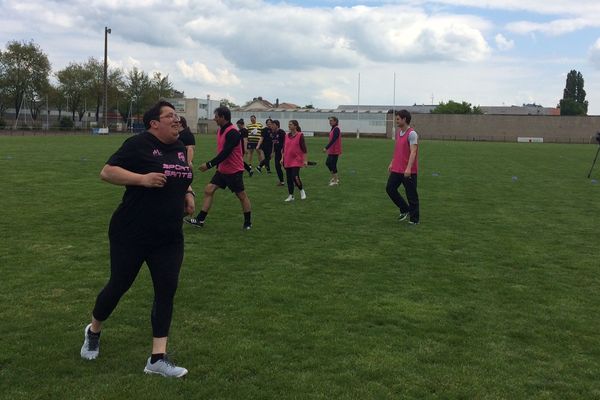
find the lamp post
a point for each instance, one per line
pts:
(105, 112)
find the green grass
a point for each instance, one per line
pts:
(494, 295)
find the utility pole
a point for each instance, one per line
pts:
(107, 31)
(358, 111)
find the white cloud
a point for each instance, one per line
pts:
(504, 44)
(594, 54)
(553, 28)
(198, 72)
(333, 96)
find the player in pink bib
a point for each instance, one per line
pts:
(333, 150)
(294, 158)
(403, 169)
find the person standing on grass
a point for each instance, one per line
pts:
(403, 169)
(254, 137)
(146, 227)
(294, 158)
(266, 147)
(333, 150)
(244, 134)
(278, 137)
(187, 137)
(230, 169)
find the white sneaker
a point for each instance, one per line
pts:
(333, 183)
(302, 195)
(290, 198)
(165, 368)
(91, 345)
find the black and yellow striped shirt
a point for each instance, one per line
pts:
(254, 132)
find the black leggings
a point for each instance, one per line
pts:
(331, 162)
(410, 186)
(293, 177)
(126, 259)
(278, 165)
(266, 162)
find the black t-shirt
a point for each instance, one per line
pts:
(151, 215)
(267, 140)
(278, 138)
(187, 137)
(244, 133)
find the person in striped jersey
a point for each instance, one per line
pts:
(254, 137)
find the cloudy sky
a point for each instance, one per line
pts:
(486, 52)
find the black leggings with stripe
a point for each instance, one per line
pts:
(126, 259)
(293, 178)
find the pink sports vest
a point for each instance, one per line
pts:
(292, 153)
(336, 148)
(235, 161)
(402, 153)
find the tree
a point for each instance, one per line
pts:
(228, 103)
(76, 81)
(24, 72)
(161, 87)
(452, 107)
(95, 95)
(573, 101)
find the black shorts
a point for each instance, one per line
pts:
(252, 146)
(235, 182)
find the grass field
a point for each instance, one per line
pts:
(494, 296)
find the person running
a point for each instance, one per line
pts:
(244, 134)
(146, 227)
(254, 137)
(188, 139)
(266, 147)
(333, 150)
(403, 169)
(278, 138)
(294, 158)
(230, 169)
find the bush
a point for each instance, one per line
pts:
(66, 124)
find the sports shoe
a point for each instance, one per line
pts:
(413, 222)
(247, 227)
(403, 216)
(195, 222)
(250, 173)
(334, 183)
(91, 345)
(165, 368)
(280, 183)
(302, 195)
(289, 198)
(259, 169)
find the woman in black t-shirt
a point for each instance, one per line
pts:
(278, 139)
(146, 227)
(187, 138)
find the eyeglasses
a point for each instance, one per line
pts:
(172, 116)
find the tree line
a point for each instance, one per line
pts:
(26, 84)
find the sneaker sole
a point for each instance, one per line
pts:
(150, 372)
(194, 225)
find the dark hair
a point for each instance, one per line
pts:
(404, 114)
(240, 121)
(295, 123)
(223, 112)
(253, 116)
(153, 114)
(276, 122)
(267, 121)
(183, 122)
(333, 117)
